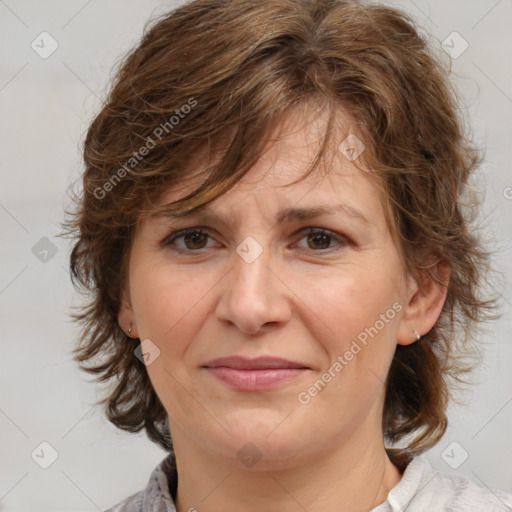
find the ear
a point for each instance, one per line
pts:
(424, 303)
(126, 317)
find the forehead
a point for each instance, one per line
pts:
(291, 150)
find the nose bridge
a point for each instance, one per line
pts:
(250, 264)
(251, 295)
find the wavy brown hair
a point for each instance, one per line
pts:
(222, 74)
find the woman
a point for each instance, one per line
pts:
(283, 282)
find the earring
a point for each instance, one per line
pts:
(130, 329)
(417, 334)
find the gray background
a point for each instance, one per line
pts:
(46, 105)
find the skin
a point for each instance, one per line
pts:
(299, 300)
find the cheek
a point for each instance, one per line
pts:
(169, 310)
(159, 299)
(361, 313)
(361, 309)
(354, 301)
(170, 305)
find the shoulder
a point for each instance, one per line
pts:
(157, 496)
(457, 493)
(131, 504)
(424, 488)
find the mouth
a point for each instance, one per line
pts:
(257, 374)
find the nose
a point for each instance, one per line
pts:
(253, 295)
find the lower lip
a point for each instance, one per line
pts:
(256, 380)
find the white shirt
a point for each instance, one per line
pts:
(421, 489)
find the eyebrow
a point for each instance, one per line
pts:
(205, 212)
(290, 214)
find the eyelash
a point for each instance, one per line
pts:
(168, 241)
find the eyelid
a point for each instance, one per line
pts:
(182, 232)
(341, 239)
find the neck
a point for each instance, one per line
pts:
(353, 476)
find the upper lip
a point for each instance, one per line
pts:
(259, 363)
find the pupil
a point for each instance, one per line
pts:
(194, 239)
(197, 239)
(318, 237)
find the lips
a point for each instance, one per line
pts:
(262, 373)
(260, 363)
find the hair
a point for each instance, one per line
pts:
(224, 73)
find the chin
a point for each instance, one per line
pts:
(268, 440)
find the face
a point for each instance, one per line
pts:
(327, 293)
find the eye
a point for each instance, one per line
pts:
(321, 239)
(196, 239)
(193, 239)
